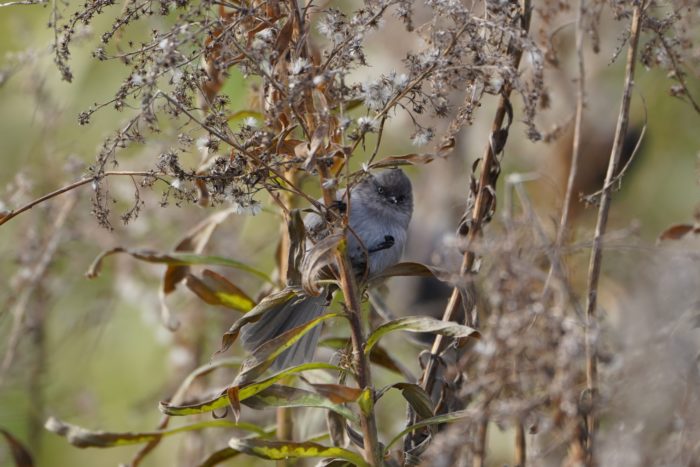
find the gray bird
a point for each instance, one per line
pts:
(380, 211)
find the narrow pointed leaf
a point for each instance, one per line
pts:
(420, 324)
(84, 438)
(219, 456)
(174, 258)
(215, 289)
(287, 396)
(244, 392)
(408, 159)
(279, 450)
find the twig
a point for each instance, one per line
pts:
(603, 212)
(67, 188)
(24, 2)
(576, 145)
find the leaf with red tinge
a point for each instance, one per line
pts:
(678, 231)
(279, 450)
(336, 393)
(233, 401)
(20, 454)
(408, 159)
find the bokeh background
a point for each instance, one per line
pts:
(94, 352)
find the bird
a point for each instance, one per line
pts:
(379, 211)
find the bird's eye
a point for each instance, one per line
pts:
(380, 190)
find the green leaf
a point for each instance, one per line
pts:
(263, 357)
(174, 259)
(84, 438)
(20, 454)
(215, 289)
(243, 393)
(420, 324)
(436, 420)
(279, 450)
(366, 401)
(219, 456)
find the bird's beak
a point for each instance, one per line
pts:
(393, 200)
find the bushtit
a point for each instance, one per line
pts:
(380, 210)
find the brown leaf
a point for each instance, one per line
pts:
(336, 393)
(676, 232)
(20, 454)
(195, 240)
(408, 159)
(234, 401)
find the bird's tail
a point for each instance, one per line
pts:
(282, 318)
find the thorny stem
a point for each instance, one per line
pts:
(603, 212)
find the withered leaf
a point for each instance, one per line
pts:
(20, 454)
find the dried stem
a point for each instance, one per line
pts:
(576, 145)
(68, 188)
(603, 212)
(520, 445)
(478, 212)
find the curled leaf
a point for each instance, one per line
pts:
(189, 259)
(420, 324)
(318, 260)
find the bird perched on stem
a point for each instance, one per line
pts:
(379, 210)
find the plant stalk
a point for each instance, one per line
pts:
(368, 422)
(601, 224)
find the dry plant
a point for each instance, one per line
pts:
(527, 355)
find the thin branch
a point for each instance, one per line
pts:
(24, 2)
(68, 188)
(576, 146)
(603, 212)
